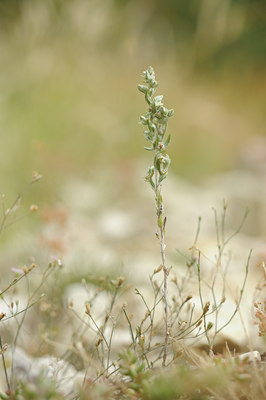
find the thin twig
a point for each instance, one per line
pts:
(4, 364)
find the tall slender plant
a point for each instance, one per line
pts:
(155, 123)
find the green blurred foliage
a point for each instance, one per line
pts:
(209, 31)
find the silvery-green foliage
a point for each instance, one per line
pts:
(154, 128)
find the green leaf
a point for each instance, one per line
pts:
(161, 178)
(158, 100)
(143, 89)
(170, 113)
(167, 141)
(152, 184)
(143, 120)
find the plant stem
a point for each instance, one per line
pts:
(154, 129)
(4, 365)
(161, 226)
(165, 295)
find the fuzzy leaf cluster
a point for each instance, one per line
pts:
(155, 126)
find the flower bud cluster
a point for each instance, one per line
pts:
(155, 125)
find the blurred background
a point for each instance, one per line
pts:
(69, 109)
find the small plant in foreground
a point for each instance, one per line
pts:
(155, 124)
(134, 370)
(11, 211)
(13, 318)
